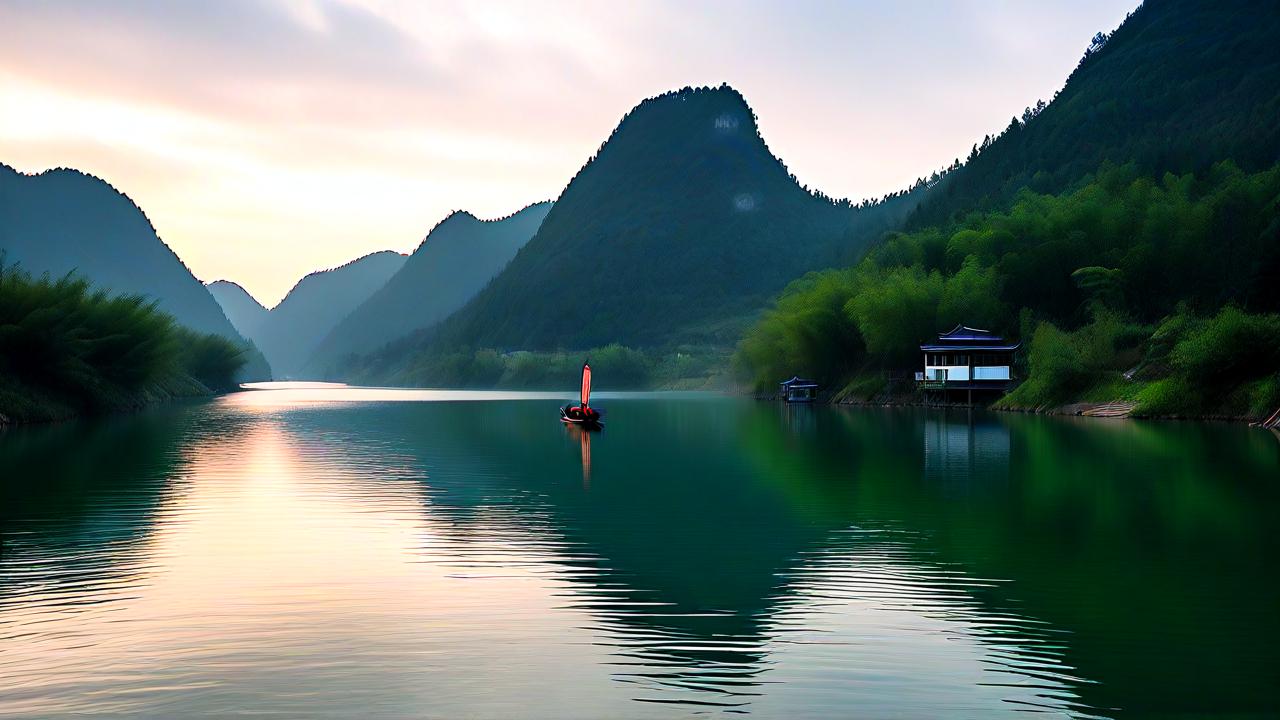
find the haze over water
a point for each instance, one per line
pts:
(332, 552)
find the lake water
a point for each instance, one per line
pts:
(331, 552)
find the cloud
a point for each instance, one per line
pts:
(266, 138)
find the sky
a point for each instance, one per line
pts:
(266, 139)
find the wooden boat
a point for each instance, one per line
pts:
(582, 414)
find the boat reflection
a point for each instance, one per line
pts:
(583, 438)
(721, 558)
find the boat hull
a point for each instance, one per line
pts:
(574, 416)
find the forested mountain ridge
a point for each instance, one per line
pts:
(242, 309)
(64, 220)
(453, 262)
(1134, 247)
(677, 231)
(1179, 86)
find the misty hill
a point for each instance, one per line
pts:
(680, 229)
(292, 330)
(63, 220)
(454, 262)
(241, 308)
(1182, 84)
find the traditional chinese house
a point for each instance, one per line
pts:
(967, 359)
(797, 389)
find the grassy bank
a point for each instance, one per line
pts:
(68, 349)
(1222, 366)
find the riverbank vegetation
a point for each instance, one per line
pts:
(1224, 365)
(617, 367)
(1158, 289)
(67, 348)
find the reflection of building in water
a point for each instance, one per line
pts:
(964, 448)
(798, 419)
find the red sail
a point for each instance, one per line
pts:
(586, 385)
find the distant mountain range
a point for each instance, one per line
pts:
(678, 231)
(684, 225)
(451, 265)
(290, 332)
(242, 309)
(63, 220)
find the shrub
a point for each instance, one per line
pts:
(1263, 396)
(1229, 346)
(211, 359)
(94, 350)
(895, 310)
(807, 332)
(1169, 396)
(1058, 370)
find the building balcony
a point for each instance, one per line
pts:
(962, 377)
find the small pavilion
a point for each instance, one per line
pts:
(798, 389)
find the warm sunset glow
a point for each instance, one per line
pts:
(269, 139)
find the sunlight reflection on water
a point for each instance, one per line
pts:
(320, 551)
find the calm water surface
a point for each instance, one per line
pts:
(330, 552)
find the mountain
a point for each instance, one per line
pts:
(63, 220)
(1179, 86)
(1128, 234)
(241, 308)
(291, 331)
(453, 263)
(679, 230)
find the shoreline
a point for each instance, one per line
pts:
(1076, 409)
(23, 406)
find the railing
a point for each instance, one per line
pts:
(937, 380)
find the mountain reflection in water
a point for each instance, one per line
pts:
(330, 551)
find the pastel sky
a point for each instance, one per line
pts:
(269, 138)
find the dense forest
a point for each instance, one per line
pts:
(617, 367)
(669, 241)
(677, 231)
(1179, 86)
(1131, 266)
(1125, 231)
(68, 348)
(1128, 232)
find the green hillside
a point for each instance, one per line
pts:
(453, 263)
(1134, 246)
(1179, 86)
(677, 231)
